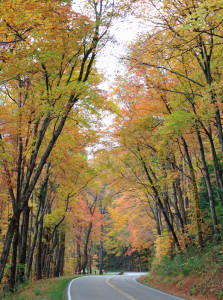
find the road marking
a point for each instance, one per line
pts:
(68, 292)
(118, 290)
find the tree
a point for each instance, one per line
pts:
(44, 74)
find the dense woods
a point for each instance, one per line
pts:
(154, 184)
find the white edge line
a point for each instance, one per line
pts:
(161, 292)
(68, 292)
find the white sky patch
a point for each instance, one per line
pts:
(109, 62)
(124, 31)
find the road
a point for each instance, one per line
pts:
(113, 287)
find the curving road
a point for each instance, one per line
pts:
(113, 287)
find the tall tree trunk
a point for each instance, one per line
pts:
(217, 168)
(90, 264)
(185, 198)
(46, 259)
(101, 258)
(12, 278)
(176, 207)
(57, 261)
(79, 263)
(62, 254)
(23, 246)
(195, 194)
(124, 263)
(181, 201)
(49, 258)
(140, 265)
(58, 255)
(219, 127)
(30, 235)
(157, 218)
(32, 248)
(208, 184)
(85, 256)
(39, 250)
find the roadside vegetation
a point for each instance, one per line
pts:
(195, 274)
(50, 289)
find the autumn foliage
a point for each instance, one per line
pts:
(49, 99)
(167, 144)
(154, 184)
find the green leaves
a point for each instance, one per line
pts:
(178, 123)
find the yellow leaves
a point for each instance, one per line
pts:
(163, 246)
(119, 218)
(130, 222)
(54, 217)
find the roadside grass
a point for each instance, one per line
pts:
(49, 289)
(195, 272)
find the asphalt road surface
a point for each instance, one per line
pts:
(113, 287)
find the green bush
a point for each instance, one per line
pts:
(193, 291)
(37, 292)
(220, 294)
(191, 261)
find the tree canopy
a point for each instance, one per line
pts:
(154, 184)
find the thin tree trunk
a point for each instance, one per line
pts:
(32, 248)
(177, 208)
(51, 248)
(181, 201)
(140, 265)
(195, 194)
(46, 259)
(157, 218)
(217, 168)
(208, 184)
(57, 261)
(79, 263)
(23, 246)
(31, 233)
(85, 257)
(219, 127)
(39, 250)
(62, 255)
(12, 278)
(185, 198)
(101, 258)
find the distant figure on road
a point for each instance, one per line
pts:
(120, 273)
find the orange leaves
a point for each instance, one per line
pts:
(131, 225)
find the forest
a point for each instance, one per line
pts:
(80, 197)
